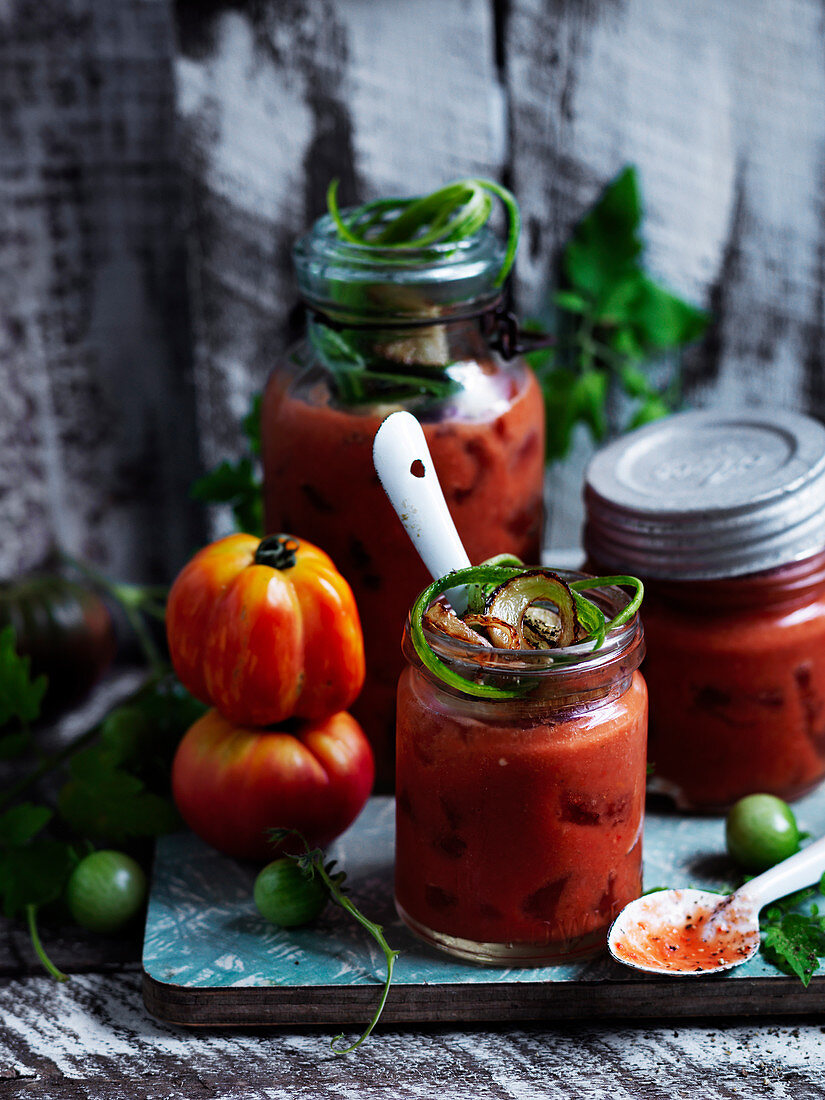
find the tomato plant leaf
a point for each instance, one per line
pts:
(606, 242)
(613, 319)
(20, 695)
(661, 320)
(794, 943)
(107, 803)
(19, 824)
(34, 874)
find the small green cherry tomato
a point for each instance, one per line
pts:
(760, 831)
(106, 890)
(287, 896)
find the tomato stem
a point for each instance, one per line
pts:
(277, 551)
(31, 920)
(377, 932)
(311, 862)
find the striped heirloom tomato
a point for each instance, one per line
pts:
(233, 784)
(266, 630)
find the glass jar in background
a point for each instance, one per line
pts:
(388, 331)
(519, 821)
(724, 519)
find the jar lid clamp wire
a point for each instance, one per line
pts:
(499, 326)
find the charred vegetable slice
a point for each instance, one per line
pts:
(500, 633)
(511, 600)
(479, 574)
(439, 617)
(541, 627)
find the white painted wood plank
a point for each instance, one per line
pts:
(94, 1028)
(96, 435)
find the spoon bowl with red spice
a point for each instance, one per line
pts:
(691, 932)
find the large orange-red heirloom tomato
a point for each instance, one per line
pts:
(265, 630)
(232, 785)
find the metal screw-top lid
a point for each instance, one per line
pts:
(704, 494)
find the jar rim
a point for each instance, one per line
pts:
(343, 278)
(622, 649)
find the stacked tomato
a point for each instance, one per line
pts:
(267, 633)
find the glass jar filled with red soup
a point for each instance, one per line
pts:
(399, 328)
(724, 518)
(520, 770)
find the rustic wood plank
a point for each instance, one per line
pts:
(274, 99)
(97, 430)
(91, 1038)
(732, 175)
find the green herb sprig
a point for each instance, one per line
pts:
(613, 319)
(312, 863)
(794, 938)
(452, 213)
(239, 483)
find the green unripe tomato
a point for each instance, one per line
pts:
(106, 890)
(287, 896)
(761, 830)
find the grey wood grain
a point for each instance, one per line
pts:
(96, 424)
(720, 106)
(90, 1037)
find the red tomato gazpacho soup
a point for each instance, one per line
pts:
(519, 820)
(724, 519)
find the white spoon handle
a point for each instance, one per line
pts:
(405, 467)
(800, 870)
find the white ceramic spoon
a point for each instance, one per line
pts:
(405, 467)
(692, 932)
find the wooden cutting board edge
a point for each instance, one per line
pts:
(636, 999)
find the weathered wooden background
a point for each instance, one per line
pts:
(157, 162)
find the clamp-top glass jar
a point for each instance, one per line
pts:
(519, 821)
(724, 519)
(390, 329)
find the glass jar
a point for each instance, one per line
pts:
(724, 519)
(389, 331)
(519, 822)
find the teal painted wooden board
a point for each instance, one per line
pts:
(209, 958)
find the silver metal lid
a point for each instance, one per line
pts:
(705, 494)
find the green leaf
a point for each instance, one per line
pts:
(620, 301)
(34, 874)
(557, 386)
(236, 484)
(635, 382)
(14, 744)
(573, 303)
(20, 696)
(225, 483)
(794, 944)
(115, 808)
(606, 241)
(626, 343)
(19, 824)
(661, 320)
(653, 408)
(589, 398)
